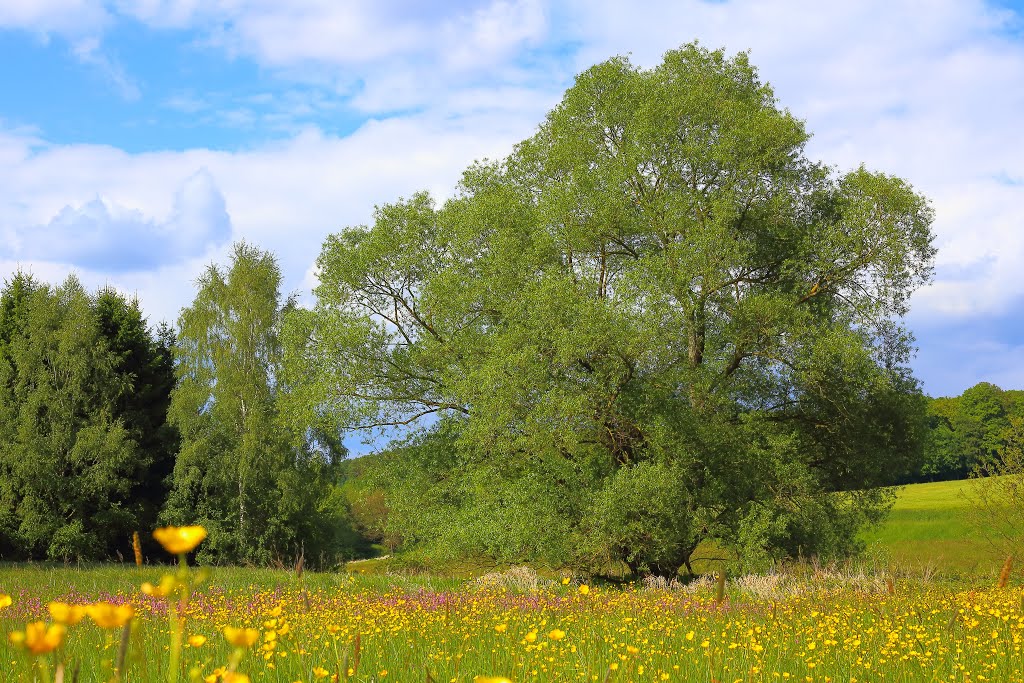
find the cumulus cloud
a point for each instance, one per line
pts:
(104, 236)
(933, 96)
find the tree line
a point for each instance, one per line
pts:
(109, 426)
(656, 323)
(966, 432)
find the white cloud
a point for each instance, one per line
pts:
(492, 32)
(64, 17)
(104, 236)
(286, 196)
(89, 51)
(931, 94)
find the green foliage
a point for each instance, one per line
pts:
(656, 322)
(260, 488)
(73, 469)
(968, 431)
(145, 357)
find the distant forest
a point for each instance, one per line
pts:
(966, 431)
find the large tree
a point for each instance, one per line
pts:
(69, 464)
(262, 491)
(656, 322)
(144, 357)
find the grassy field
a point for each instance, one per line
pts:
(930, 528)
(825, 626)
(863, 622)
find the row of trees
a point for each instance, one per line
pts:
(966, 432)
(109, 427)
(656, 323)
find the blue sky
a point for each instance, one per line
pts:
(139, 138)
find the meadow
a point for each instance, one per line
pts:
(801, 623)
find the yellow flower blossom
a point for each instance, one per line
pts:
(38, 638)
(197, 640)
(69, 615)
(109, 615)
(241, 637)
(179, 539)
(168, 584)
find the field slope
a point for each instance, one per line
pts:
(930, 525)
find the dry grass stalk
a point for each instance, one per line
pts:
(137, 547)
(1004, 575)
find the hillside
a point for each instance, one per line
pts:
(930, 526)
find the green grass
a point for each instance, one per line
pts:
(808, 626)
(930, 527)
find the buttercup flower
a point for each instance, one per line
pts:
(241, 637)
(179, 539)
(38, 638)
(167, 585)
(108, 615)
(63, 613)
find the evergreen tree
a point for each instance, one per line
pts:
(68, 462)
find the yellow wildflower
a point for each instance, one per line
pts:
(179, 539)
(5, 600)
(197, 640)
(68, 615)
(584, 589)
(320, 672)
(241, 637)
(109, 615)
(38, 638)
(168, 584)
(556, 634)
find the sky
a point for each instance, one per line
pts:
(140, 138)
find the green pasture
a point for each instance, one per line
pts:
(930, 528)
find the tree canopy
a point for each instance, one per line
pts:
(656, 322)
(965, 432)
(83, 442)
(262, 490)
